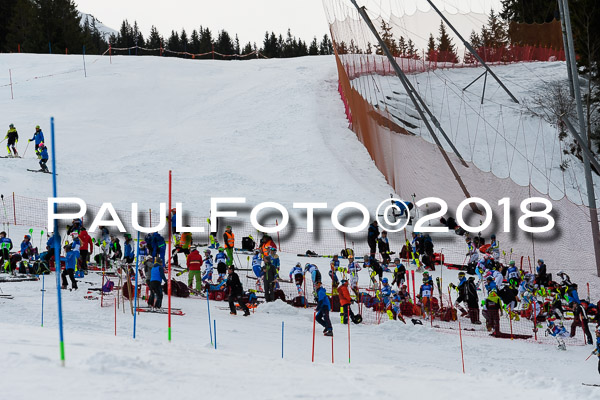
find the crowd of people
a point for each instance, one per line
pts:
(41, 151)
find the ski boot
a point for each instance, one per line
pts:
(328, 333)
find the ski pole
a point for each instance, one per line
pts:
(5, 214)
(593, 352)
(26, 147)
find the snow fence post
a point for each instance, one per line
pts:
(43, 290)
(282, 328)
(57, 248)
(313, 343)
(135, 298)
(215, 322)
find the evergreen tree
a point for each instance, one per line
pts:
(431, 54)
(194, 46)
(206, 41)
(477, 44)
(446, 50)
(402, 47)
(247, 49)
(313, 50)
(19, 31)
(58, 24)
(388, 39)
(155, 41)
(494, 34)
(411, 50)
(326, 46)
(529, 11)
(369, 48)
(173, 43)
(237, 45)
(7, 11)
(224, 44)
(183, 40)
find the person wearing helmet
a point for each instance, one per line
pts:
(512, 274)
(565, 280)
(274, 260)
(353, 268)
(297, 276)
(85, 249)
(492, 310)
(472, 255)
(372, 236)
(214, 242)
(597, 350)
(208, 269)
(38, 137)
(116, 250)
(128, 252)
(494, 248)
(333, 267)
(323, 307)
(159, 247)
(221, 261)
(26, 247)
(229, 239)
(70, 264)
(384, 247)
(386, 291)
(345, 302)
(13, 138)
(425, 294)
(315, 275)
(257, 268)
(43, 157)
(399, 273)
(270, 274)
(236, 292)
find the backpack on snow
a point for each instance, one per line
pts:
(108, 286)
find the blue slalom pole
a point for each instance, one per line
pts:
(215, 321)
(135, 299)
(43, 290)
(57, 248)
(209, 325)
(282, 339)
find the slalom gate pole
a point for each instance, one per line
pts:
(413, 284)
(209, 324)
(43, 290)
(116, 314)
(282, 326)
(215, 322)
(169, 255)
(57, 249)
(348, 321)
(332, 349)
(41, 237)
(135, 298)
(84, 70)
(534, 305)
(462, 355)
(511, 328)
(313, 343)
(588, 290)
(12, 97)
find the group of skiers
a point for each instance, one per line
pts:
(12, 138)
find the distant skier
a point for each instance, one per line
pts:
(345, 302)
(38, 136)
(258, 269)
(13, 137)
(128, 252)
(208, 268)
(70, 263)
(399, 273)
(236, 292)
(43, 157)
(542, 275)
(298, 277)
(86, 248)
(557, 331)
(315, 276)
(115, 248)
(158, 247)
(353, 268)
(597, 350)
(323, 307)
(26, 247)
(384, 247)
(221, 261)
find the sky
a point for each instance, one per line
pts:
(249, 19)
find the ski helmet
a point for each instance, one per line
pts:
(540, 261)
(37, 127)
(493, 236)
(11, 126)
(142, 243)
(350, 257)
(298, 265)
(41, 145)
(207, 252)
(384, 280)
(461, 275)
(221, 249)
(561, 272)
(74, 234)
(425, 279)
(511, 262)
(27, 237)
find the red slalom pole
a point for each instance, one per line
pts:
(462, 355)
(313, 346)
(169, 255)
(332, 349)
(414, 290)
(348, 334)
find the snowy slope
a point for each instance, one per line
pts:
(270, 130)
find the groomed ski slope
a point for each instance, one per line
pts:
(267, 130)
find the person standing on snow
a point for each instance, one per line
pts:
(194, 265)
(38, 136)
(229, 239)
(236, 291)
(323, 307)
(597, 350)
(298, 277)
(128, 252)
(384, 247)
(86, 248)
(13, 137)
(159, 247)
(208, 268)
(353, 268)
(345, 302)
(43, 157)
(157, 276)
(5, 246)
(70, 263)
(372, 236)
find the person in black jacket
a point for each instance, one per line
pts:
(542, 275)
(236, 291)
(384, 247)
(372, 236)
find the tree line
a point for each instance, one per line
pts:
(43, 26)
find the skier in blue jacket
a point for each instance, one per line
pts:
(128, 253)
(597, 351)
(26, 247)
(43, 157)
(158, 247)
(38, 136)
(323, 307)
(157, 276)
(70, 260)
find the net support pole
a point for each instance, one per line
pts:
(566, 47)
(472, 51)
(416, 100)
(588, 157)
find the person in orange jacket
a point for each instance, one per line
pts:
(229, 239)
(345, 301)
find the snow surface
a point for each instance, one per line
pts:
(267, 130)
